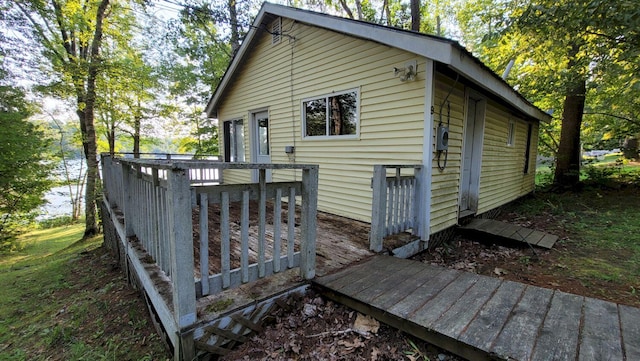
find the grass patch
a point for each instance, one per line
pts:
(39, 244)
(600, 235)
(62, 299)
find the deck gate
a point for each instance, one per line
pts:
(395, 208)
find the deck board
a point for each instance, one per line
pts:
(480, 317)
(601, 339)
(404, 288)
(434, 308)
(456, 319)
(518, 335)
(416, 298)
(630, 328)
(512, 232)
(558, 338)
(486, 326)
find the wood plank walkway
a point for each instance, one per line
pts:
(510, 231)
(485, 318)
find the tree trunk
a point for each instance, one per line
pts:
(89, 135)
(415, 15)
(136, 137)
(233, 20)
(567, 173)
(111, 138)
(359, 10)
(387, 11)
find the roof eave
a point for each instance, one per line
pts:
(439, 49)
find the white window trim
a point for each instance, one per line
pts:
(330, 137)
(511, 133)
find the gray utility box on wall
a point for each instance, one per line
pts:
(442, 138)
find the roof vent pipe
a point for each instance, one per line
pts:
(508, 69)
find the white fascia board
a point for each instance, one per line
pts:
(439, 50)
(484, 78)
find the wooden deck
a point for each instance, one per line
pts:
(482, 318)
(509, 231)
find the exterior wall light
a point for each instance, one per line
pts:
(408, 72)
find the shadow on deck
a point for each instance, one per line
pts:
(485, 318)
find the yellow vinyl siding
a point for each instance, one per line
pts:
(445, 184)
(391, 112)
(502, 177)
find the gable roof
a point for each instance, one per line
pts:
(439, 49)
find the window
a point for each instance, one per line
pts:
(233, 141)
(331, 115)
(511, 133)
(527, 150)
(276, 28)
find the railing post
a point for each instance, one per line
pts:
(181, 250)
(378, 208)
(128, 206)
(419, 208)
(107, 177)
(308, 222)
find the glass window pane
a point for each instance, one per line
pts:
(239, 141)
(315, 117)
(263, 136)
(343, 114)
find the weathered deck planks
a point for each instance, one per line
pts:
(510, 231)
(480, 317)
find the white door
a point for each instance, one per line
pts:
(260, 146)
(472, 157)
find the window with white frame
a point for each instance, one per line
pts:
(331, 115)
(511, 133)
(233, 140)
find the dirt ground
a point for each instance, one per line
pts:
(312, 328)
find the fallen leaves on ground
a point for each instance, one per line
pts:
(310, 327)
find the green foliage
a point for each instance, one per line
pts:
(24, 169)
(537, 35)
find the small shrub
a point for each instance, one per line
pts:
(600, 175)
(56, 222)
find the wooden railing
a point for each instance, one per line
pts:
(156, 199)
(395, 205)
(275, 242)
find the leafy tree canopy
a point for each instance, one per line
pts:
(23, 167)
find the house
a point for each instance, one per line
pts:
(347, 95)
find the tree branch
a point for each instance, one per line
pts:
(345, 7)
(40, 31)
(632, 121)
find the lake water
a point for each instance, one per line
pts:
(58, 198)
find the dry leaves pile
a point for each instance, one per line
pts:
(311, 328)
(475, 257)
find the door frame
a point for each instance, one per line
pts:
(474, 139)
(253, 143)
